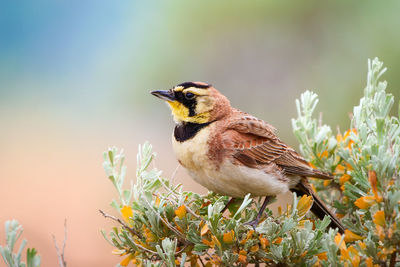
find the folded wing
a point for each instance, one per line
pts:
(256, 145)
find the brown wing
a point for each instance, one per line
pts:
(256, 145)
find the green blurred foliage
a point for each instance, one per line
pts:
(101, 57)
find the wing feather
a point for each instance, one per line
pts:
(255, 145)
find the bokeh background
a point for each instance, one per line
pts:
(75, 78)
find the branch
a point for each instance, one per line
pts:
(131, 230)
(170, 226)
(393, 259)
(60, 255)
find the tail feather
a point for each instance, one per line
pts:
(321, 175)
(318, 208)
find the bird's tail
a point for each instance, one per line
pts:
(318, 208)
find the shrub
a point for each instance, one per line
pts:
(160, 224)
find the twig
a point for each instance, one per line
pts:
(145, 249)
(170, 226)
(174, 173)
(393, 259)
(180, 251)
(60, 255)
(187, 208)
(194, 214)
(201, 261)
(166, 187)
(120, 222)
(129, 229)
(172, 192)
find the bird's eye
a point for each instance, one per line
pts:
(189, 95)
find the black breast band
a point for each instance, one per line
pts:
(187, 130)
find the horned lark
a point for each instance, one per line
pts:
(233, 153)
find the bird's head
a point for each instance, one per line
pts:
(195, 102)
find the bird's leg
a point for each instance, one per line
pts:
(227, 204)
(254, 222)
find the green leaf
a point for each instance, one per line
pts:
(200, 247)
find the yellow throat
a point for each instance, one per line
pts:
(181, 113)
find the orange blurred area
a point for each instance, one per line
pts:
(55, 173)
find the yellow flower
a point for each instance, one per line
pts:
(339, 138)
(264, 242)
(204, 230)
(181, 212)
(242, 257)
(344, 178)
(344, 254)
(363, 246)
(126, 261)
(324, 154)
(157, 202)
(340, 169)
(338, 240)
(347, 135)
(349, 236)
(379, 218)
(322, 256)
(355, 259)
(216, 241)
(327, 182)
(127, 213)
(374, 185)
(208, 243)
(369, 262)
(254, 248)
(150, 237)
(249, 234)
(365, 202)
(304, 205)
(228, 237)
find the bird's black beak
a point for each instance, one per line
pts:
(167, 95)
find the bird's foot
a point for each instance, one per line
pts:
(253, 223)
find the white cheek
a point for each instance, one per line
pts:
(204, 104)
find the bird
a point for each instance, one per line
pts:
(233, 153)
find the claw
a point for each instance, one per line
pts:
(253, 223)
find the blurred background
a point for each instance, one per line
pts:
(75, 78)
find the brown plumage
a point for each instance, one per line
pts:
(233, 153)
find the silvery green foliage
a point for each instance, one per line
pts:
(13, 232)
(366, 163)
(377, 142)
(315, 138)
(159, 233)
(168, 226)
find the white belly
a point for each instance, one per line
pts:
(228, 179)
(238, 181)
